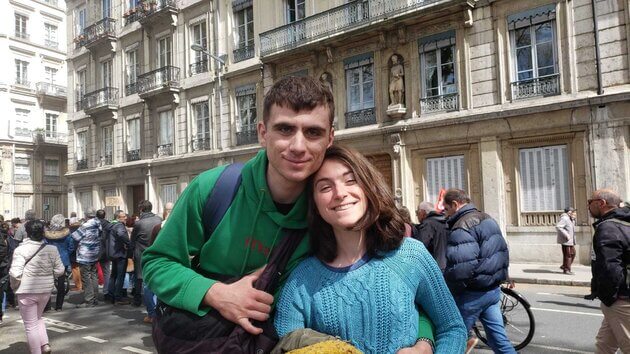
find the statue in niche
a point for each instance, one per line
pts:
(396, 82)
(326, 80)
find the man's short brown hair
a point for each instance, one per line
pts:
(299, 93)
(458, 195)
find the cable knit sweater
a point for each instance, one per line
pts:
(38, 276)
(373, 305)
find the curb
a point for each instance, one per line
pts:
(567, 282)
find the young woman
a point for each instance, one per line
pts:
(365, 282)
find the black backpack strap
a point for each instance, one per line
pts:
(220, 199)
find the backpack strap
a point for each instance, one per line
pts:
(220, 199)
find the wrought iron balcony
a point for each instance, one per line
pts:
(247, 136)
(164, 77)
(156, 10)
(80, 40)
(50, 43)
(541, 86)
(131, 88)
(133, 155)
(82, 164)
(165, 150)
(199, 67)
(132, 15)
(48, 89)
(337, 20)
(360, 118)
(22, 81)
(448, 102)
(106, 160)
(104, 29)
(201, 144)
(22, 35)
(55, 137)
(105, 98)
(243, 53)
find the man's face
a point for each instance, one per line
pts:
(594, 206)
(421, 214)
(122, 218)
(295, 143)
(450, 209)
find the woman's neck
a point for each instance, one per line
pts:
(350, 248)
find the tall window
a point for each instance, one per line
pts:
(106, 8)
(21, 72)
(20, 26)
(544, 173)
(22, 122)
(444, 172)
(80, 20)
(245, 33)
(534, 53)
(22, 204)
(437, 62)
(202, 125)
(51, 125)
(50, 35)
(132, 71)
(246, 123)
(168, 193)
(106, 73)
(133, 134)
(200, 37)
(108, 145)
(22, 167)
(50, 75)
(81, 87)
(360, 82)
(165, 137)
(51, 167)
(81, 147)
(85, 198)
(296, 10)
(164, 52)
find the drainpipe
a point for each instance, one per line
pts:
(600, 90)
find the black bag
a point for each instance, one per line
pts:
(179, 331)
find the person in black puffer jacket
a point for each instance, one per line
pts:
(477, 262)
(610, 283)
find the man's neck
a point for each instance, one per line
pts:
(284, 191)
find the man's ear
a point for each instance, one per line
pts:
(262, 133)
(331, 137)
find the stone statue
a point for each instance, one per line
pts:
(396, 83)
(326, 80)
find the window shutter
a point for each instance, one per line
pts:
(444, 172)
(544, 179)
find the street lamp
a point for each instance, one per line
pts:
(199, 48)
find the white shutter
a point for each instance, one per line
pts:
(544, 178)
(168, 193)
(444, 172)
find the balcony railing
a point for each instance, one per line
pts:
(22, 81)
(133, 155)
(165, 150)
(131, 88)
(448, 102)
(199, 67)
(243, 53)
(79, 101)
(106, 160)
(336, 20)
(22, 177)
(50, 43)
(52, 2)
(22, 35)
(540, 218)
(167, 76)
(132, 15)
(107, 96)
(201, 144)
(48, 89)
(101, 29)
(247, 136)
(150, 7)
(541, 86)
(82, 164)
(360, 118)
(55, 137)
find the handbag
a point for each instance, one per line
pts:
(179, 331)
(15, 282)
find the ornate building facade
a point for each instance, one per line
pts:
(523, 104)
(33, 93)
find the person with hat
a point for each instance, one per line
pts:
(58, 235)
(566, 237)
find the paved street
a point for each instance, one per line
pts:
(565, 323)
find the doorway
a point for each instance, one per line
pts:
(137, 194)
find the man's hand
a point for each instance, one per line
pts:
(240, 301)
(421, 347)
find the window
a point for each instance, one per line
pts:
(106, 8)
(168, 193)
(106, 74)
(51, 206)
(246, 123)
(296, 10)
(164, 52)
(81, 88)
(131, 72)
(21, 72)
(51, 167)
(80, 20)
(360, 82)
(444, 172)
(544, 177)
(202, 126)
(200, 37)
(108, 145)
(51, 125)
(133, 139)
(22, 167)
(22, 122)
(437, 63)
(244, 33)
(22, 204)
(534, 53)
(85, 199)
(165, 137)
(20, 26)
(81, 146)
(50, 75)
(50, 35)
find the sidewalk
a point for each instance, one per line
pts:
(536, 273)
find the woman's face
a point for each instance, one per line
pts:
(338, 197)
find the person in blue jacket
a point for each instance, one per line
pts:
(476, 264)
(58, 234)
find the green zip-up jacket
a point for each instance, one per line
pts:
(240, 244)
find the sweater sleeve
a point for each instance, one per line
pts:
(167, 263)
(290, 311)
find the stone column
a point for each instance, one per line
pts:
(402, 174)
(492, 181)
(149, 184)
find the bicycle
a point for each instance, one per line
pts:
(518, 318)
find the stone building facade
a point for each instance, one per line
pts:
(33, 97)
(524, 104)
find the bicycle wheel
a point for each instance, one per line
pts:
(518, 320)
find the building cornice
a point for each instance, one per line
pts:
(22, 6)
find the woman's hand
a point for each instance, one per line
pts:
(421, 347)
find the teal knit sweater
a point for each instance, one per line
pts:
(373, 303)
